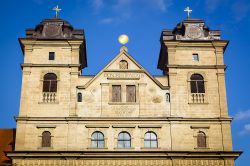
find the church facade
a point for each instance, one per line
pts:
(123, 115)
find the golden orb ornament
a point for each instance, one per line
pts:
(123, 39)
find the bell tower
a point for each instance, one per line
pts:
(54, 56)
(191, 56)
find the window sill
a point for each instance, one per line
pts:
(93, 148)
(132, 148)
(45, 148)
(145, 148)
(205, 103)
(123, 103)
(48, 102)
(205, 148)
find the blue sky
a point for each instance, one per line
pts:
(143, 21)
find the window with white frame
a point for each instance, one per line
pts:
(97, 140)
(150, 140)
(124, 140)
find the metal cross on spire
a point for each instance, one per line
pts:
(57, 10)
(188, 10)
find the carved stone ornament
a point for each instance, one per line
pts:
(123, 64)
(52, 30)
(193, 31)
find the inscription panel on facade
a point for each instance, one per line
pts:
(122, 75)
(122, 111)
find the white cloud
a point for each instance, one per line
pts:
(107, 20)
(163, 5)
(122, 4)
(242, 115)
(124, 9)
(246, 130)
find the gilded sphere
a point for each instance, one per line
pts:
(123, 39)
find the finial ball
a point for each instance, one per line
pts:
(123, 39)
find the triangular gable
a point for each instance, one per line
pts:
(123, 52)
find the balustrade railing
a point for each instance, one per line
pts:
(198, 98)
(49, 97)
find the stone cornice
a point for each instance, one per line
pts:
(198, 66)
(143, 153)
(49, 65)
(168, 119)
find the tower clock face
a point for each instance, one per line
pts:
(194, 31)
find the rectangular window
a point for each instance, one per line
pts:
(195, 57)
(51, 56)
(131, 93)
(116, 93)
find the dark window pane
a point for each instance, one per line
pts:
(50, 76)
(46, 139)
(201, 140)
(201, 87)
(79, 97)
(131, 93)
(196, 77)
(197, 84)
(53, 86)
(50, 83)
(51, 55)
(46, 85)
(193, 87)
(116, 93)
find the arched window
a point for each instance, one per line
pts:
(124, 140)
(201, 140)
(167, 97)
(150, 140)
(79, 97)
(50, 82)
(123, 64)
(97, 140)
(46, 139)
(197, 84)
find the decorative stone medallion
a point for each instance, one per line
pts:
(52, 30)
(193, 31)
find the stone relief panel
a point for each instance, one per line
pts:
(197, 31)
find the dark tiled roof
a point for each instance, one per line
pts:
(7, 143)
